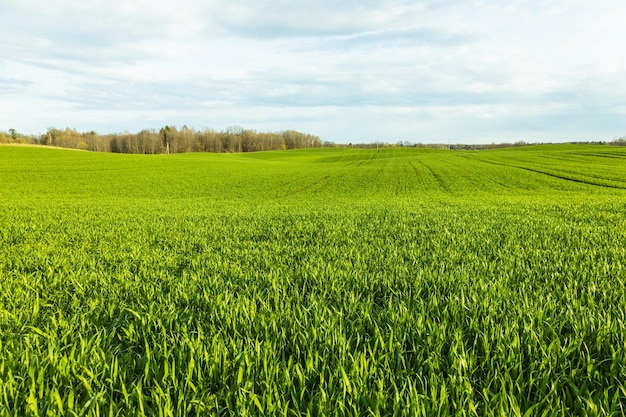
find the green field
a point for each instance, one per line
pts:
(314, 282)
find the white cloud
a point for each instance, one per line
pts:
(348, 71)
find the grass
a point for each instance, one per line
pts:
(313, 282)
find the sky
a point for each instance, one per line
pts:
(433, 71)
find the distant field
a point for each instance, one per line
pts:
(314, 282)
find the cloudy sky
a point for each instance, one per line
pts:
(347, 71)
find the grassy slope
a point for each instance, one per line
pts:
(333, 281)
(349, 176)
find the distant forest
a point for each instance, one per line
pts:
(169, 139)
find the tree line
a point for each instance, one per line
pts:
(169, 139)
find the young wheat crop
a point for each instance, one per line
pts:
(326, 282)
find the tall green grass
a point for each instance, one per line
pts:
(326, 282)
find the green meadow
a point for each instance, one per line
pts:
(406, 282)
